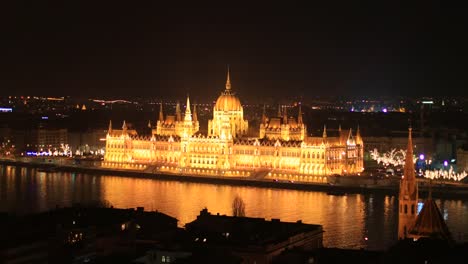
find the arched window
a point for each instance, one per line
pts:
(406, 209)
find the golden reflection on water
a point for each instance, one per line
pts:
(185, 200)
(346, 219)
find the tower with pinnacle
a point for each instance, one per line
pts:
(408, 197)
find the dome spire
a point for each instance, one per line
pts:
(228, 80)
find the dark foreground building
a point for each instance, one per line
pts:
(80, 235)
(214, 238)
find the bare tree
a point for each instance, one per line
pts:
(238, 206)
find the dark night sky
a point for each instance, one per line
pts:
(145, 48)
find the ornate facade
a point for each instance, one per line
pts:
(282, 148)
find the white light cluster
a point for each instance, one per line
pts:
(445, 174)
(397, 158)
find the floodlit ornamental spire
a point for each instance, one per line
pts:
(195, 116)
(188, 113)
(324, 135)
(161, 116)
(109, 130)
(228, 80)
(178, 115)
(408, 197)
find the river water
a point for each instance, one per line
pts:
(347, 219)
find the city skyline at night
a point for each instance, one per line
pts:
(149, 49)
(230, 132)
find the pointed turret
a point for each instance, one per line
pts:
(324, 135)
(408, 197)
(358, 136)
(161, 115)
(149, 123)
(285, 115)
(124, 127)
(228, 80)
(279, 111)
(178, 114)
(299, 115)
(409, 175)
(195, 116)
(188, 113)
(109, 130)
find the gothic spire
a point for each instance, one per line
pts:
(124, 126)
(178, 114)
(299, 115)
(409, 163)
(279, 110)
(228, 80)
(109, 130)
(195, 116)
(324, 135)
(187, 108)
(161, 116)
(149, 123)
(358, 136)
(188, 113)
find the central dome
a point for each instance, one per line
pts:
(228, 102)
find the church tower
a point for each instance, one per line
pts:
(408, 198)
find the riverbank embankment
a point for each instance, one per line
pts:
(336, 185)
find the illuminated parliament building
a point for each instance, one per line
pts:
(282, 148)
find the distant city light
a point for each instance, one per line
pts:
(44, 117)
(6, 109)
(421, 157)
(445, 163)
(427, 102)
(384, 110)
